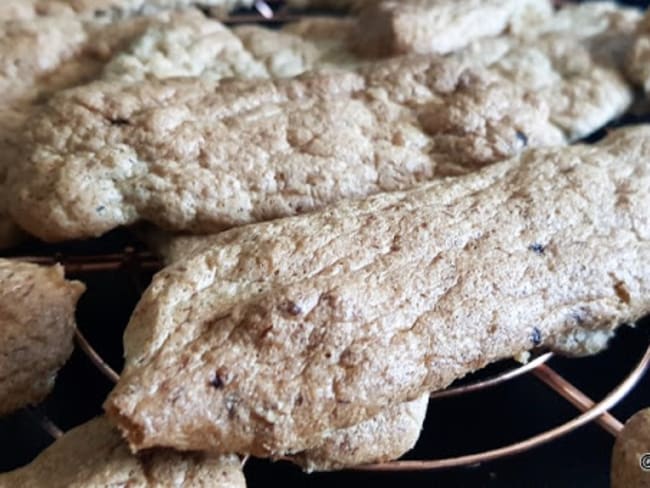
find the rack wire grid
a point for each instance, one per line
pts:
(119, 252)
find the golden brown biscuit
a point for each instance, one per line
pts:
(321, 43)
(282, 332)
(37, 58)
(384, 437)
(37, 307)
(391, 27)
(582, 90)
(171, 151)
(41, 56)
(631, 455)
(94, 455)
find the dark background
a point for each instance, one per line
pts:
(455, 426)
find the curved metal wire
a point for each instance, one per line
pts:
(95, 358)
(581, 401)
(493, 381)
(595, 411)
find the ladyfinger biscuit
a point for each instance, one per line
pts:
(171, 151)
(383, 300)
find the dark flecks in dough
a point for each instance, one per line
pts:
(119, 121)
(523, 138)
(536, 336)
(622, 292)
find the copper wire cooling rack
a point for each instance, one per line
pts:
(134, 261)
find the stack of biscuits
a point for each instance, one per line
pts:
(354, 211)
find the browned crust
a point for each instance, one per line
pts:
(384, 437)
(37, 308)
(632, 444)
(170, 151)
(93, 455)
(284, 331)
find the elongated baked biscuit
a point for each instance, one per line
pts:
(380, 301)
(384, 437)
(93, 455)
(390, 27)
(37, 324)
(44, 55)
(171, 151)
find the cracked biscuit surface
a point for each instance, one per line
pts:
(393, 27)
(93, 455)
(37, 58)
(48, 54)
(384, 437)
(170, 151)
(37, 307)
(582, 92)
(284, 331)
(561, 71)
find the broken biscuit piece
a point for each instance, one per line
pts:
(37, 307)
(93, 455)
(631, 454)
(170, 151)
(282, 332)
